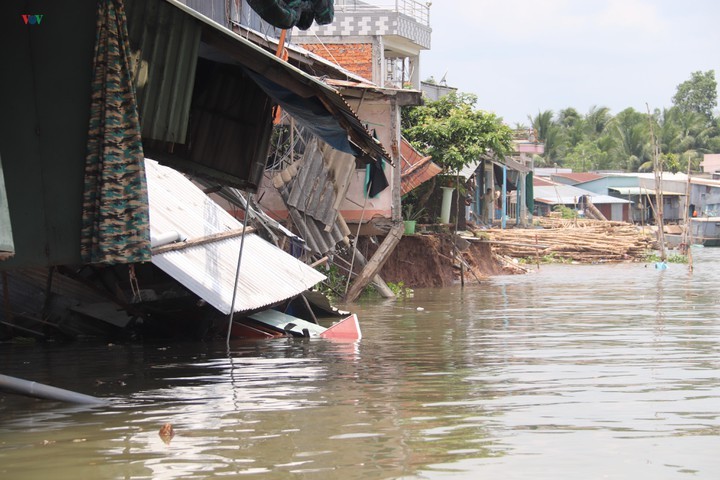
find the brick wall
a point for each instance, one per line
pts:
(356, 57)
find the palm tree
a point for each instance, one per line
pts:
(597, 120)
(548, 132)
(633, 148)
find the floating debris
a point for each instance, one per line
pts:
(167, 433)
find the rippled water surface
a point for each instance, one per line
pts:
(572, 372)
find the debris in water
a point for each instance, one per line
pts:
(166, 433)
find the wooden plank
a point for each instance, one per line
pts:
(376, 262)
(215, 237)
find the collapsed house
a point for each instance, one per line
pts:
(140, 79)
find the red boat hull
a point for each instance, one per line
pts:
(347, 329)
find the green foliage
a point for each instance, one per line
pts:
(653, 257)
(585, 156)
(549, 133)
(454, 133)
(698, 94)
(400, 290)
(565, 212)
(545, 259)
(411, 212)
(334, 285)
(599, 141)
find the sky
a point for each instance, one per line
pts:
(521, 57)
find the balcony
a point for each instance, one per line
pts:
(417, 11)
(408, 21)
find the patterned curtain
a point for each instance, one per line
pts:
(115, 204)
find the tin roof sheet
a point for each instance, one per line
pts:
(416, 168)
(568, 195)
(641, 191)
(268, 275)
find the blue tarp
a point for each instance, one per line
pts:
(310, 112)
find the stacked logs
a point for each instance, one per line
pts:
(583, 241)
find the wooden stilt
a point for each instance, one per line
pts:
(376, 262)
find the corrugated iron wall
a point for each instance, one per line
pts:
(314, 195)
(217, 10)
(231, 123)
(165, 43)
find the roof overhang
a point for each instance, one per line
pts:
(356, 89)
(641, 191)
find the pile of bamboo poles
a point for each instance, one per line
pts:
(583, 241)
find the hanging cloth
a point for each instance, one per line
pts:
(287, 14)
(375, 179)
(529, 192)
(115, 222)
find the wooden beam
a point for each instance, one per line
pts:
(377, 280)
(376, 262)
(195, 242)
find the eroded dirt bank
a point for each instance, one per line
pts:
(428, 261)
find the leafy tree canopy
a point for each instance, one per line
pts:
(454, 132)
(699, 94)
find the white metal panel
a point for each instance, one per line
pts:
(267, 274)
(568, 195)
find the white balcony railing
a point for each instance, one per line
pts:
(419, 11)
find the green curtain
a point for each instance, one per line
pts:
(115, 226)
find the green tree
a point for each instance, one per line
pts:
(585, 156)
(699, 94)
(549, 133)
(632, 147)
(596, 121)
(454, 132)
(572, 125)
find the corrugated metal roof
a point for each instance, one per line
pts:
(268, 275)
(541, 182)
(641, 191)
(568, 195)
(200, 110)
(580, 177)
(416, 169)
(237, 49)
(708, 182)
(164, 43)
(469, 169)
(316, 186)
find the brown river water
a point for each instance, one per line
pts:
(571, 372)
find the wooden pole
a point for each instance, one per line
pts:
(377, 280)
(657, 167)
(688, 230)
(376, 262)
(215, 237)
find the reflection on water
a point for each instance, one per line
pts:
(605, 371)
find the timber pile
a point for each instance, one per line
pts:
(584, 241)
